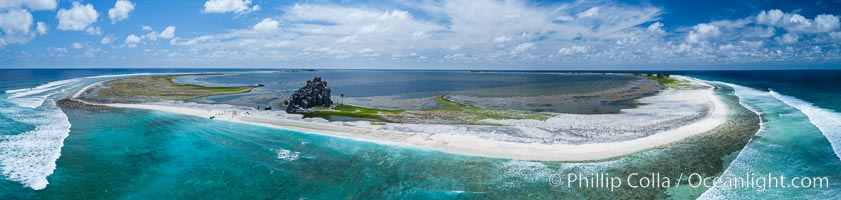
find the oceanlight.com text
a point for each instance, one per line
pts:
(757, 182)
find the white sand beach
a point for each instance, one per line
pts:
(459, 139)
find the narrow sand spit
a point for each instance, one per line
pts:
(443, 138)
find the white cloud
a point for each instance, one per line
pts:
(15, 21)
(501, 39)
(229, 6)
(592, 12)
(77, 45)
(366, 50)
(656, 27)
(373, 28)
(30, 4)
(15, 25)
(797, 23)
(77, 18)
(523, 47)
(477, 28)
(268, 24)
(826, 23)
(565, 18)
(346, 39)
(41, 27)
(727, 47)
(93, 30)
(57, 49)
(572, 50)
(168, 33)
(153, 36)
(788, 38)
(132, 40)
(835, 35)
(120, 11)
(420, 34)
(146, 28)
(105, 40)
(702, 32)
(479, 31)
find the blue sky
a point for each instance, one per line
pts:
(463, 34)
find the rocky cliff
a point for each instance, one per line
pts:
(315, 94)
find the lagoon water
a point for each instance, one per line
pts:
(138, 154)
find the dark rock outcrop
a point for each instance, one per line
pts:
(315, 94)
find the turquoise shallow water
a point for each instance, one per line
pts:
(137, 154)
(788, 144)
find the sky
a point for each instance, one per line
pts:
(427, 34)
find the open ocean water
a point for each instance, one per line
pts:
(49, 153)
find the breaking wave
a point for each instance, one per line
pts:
(29, 155)
(288, 155)
(769, 151)
(827, 121)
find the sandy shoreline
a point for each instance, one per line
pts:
(461, 143)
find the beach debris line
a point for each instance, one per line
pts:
(315, 94)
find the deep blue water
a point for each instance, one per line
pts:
(136, 154)
(819, 87)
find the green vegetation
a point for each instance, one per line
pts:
(447, 110)
(672, 83)
(663, 81)
(353, 111)
(160, 88)
(357, 109)
(450, 110)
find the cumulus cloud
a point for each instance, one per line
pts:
(105, 40)
(15, 25)
(41, 27)
(656, 27)
(93, 30)
(120, 11)
(572, 50)
(229, 6)
(168, 33)
(727, 47)
(132, 41)
(788, 38)
(474, 27)
(16, 21)
(268, 24)
(797, 23)
(77, 18)
(702, 32)
(523, 47)
(30, 4)
(487, 31)
(77, 45)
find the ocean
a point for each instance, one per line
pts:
(50, 153)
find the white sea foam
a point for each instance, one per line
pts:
(34, 97)
(739, 163)
(742, 92)
(288, 155)
(40, 88)
(515, 173)
(827, 121)
(30, 157)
